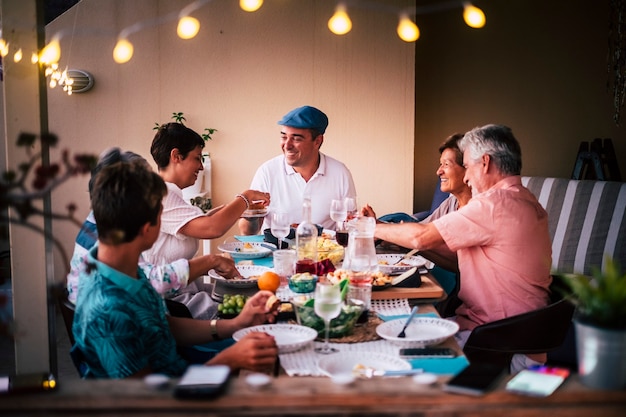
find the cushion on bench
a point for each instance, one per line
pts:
(587, 221)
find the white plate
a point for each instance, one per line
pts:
(246, 272)
(423, 331)
(391, 259)
(247, 250)
(344, 362)
(289, 337)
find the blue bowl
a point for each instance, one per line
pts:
(302, 283)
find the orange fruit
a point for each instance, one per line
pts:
(269, 281)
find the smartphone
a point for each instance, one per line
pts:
(201, 381)
(476, 379)
(539, 381)
(427, 352)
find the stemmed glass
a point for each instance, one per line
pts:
(351, 209)
(280, 227)
(338, 212)
(327, 306)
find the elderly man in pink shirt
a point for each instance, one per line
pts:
(501, 237)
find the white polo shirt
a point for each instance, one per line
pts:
(287, 189)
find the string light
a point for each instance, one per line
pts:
(250, 5)
(123, 51)
(473, 16)
(407, 30)
(188, 27)
(17, 56)
(340, 22)
(51, 53)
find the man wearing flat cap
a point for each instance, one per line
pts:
(302, 170)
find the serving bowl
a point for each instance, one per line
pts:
(302, 283)
(341, 326)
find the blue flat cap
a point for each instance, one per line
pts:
(305, 117)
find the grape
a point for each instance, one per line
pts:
(232, 304)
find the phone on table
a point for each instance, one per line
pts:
(476, 379)
(201, 381)
(539, 381)
(427, 353)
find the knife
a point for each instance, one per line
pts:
(398, 279)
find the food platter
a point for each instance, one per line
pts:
(288, 337)
(248, 274)
(346, 362)
(423, 331)
(393, 264)
(247, 250)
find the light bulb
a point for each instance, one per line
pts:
(340, 23)
(17, 57)
(188, 27)
(250, 5)
(123, 51)
(407, 30)
(34, 58)
(51, 53)
(473, 16)
(4, 48)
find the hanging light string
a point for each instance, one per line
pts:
(188, 27)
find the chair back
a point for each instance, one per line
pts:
(536, 331)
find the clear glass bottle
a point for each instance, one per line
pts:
(306, 241)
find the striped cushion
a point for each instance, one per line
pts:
(587, 221)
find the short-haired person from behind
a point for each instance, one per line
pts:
(302, 170)
(121, 325)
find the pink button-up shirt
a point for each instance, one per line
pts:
(503, 245)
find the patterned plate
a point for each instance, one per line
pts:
(289, 337)
(345, 362)
(423, 331)
(247, 250)
(393, 264)
(248, 273)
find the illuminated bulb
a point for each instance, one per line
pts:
(4, 48)
(51, 53)
(250, 5)
(407, 30)
(53, 83)
(188, 27)
(340, 23)
(473, 16)
(34, 58)
(17, 57)
(123, 51)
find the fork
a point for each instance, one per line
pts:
(408, 321)
(407, 256)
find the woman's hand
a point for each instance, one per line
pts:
(368, 211)
(225, 266)
(258, 197)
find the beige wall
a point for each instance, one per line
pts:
(539, 66)
(240, 75)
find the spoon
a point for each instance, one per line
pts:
(408, 321)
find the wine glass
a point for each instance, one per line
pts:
(280, 227)
(338, 212)
(327, 306)
(351, 209)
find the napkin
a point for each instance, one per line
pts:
(440, 366)
(385, 317)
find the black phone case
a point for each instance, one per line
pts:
(476, 379)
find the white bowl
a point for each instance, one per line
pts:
(389, 263)
(289, 337)
(248, 273)
(423, 331)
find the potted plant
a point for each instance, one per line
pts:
(600, 323)
(198, 194)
